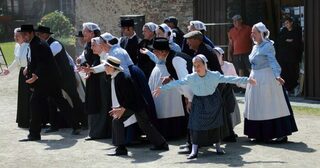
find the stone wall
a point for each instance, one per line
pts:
(107, 13)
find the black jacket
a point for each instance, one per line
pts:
(44, 66)
(127, 94)
(144, 62)
(131, 46)
(213, 62)
(289, 51)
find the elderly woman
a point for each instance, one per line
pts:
(20, 61)
(144, 62)
(268, 114)
(206, 116)
(95, 100)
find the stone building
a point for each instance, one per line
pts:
(107, 13)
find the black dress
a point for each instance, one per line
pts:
(96, 100)
(289, 55)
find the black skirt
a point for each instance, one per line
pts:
(206, 119)
(24, 93)
(274, 128)
(172, 128)
(99, 121)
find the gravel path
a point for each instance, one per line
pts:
(65, 151)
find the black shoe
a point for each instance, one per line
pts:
(163, 147)
(30, 138)
(75, 132)
(186, 145)
(51, 129)
(281, 140)
(185, 151)
(89, 139)
(193, 156)
(256, 140)
(221, 152)
(118, 152)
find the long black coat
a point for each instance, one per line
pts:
(289, 52)
(44, 66)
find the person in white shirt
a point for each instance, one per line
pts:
(21, 51)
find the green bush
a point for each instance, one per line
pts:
(62, 28)
(59, 24)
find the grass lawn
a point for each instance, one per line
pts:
(7, 49)
(306, 110)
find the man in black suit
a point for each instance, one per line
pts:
(43, 78)
(130, 41)
(68, 80)
(172, 22)
(128, 107)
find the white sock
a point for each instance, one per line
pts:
(194, 149)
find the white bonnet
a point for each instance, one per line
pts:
(198, 25)
(151, 26)
(90, 26)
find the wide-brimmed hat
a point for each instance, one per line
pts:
(43, 29)
(160, 43)
(113, 62)
(127, 23)
(26, 28)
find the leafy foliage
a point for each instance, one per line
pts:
(61, 26)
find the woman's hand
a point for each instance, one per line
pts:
(165, 80)
(280, 80)
(188, 106)
(144, 51)
(156, 92)
(86, 69)
(32, 79)
(117, 112)
(25, 71)
(5, 72)
(252, 81)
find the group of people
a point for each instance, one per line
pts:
(167, 85)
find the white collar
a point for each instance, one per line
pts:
(134, 34)
(114, 74)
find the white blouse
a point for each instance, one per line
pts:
(20, 53)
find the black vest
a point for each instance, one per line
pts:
(169, 64)
(62, 60)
